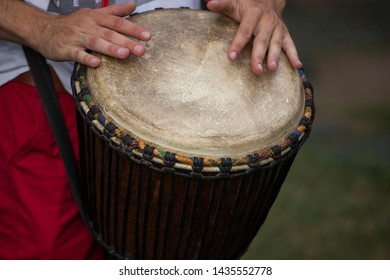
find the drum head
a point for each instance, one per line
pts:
(186, 97)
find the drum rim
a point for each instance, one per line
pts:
(134, 147)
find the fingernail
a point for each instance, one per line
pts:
(121, 51)
(233, 55)
(137, 50)
(145, 35)
(260, 67)
(94, 62)
(274, 64)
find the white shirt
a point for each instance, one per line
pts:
(12, 59)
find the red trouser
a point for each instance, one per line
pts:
(38, 216)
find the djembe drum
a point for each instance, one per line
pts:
(183, 152)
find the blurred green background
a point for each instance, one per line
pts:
(335, 202)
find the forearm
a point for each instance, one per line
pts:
(21, 22)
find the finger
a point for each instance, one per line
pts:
(122, 41)
(98, 44)
(260, 45)
(291, 51)
(125, 27)
(274, 50)
(242, 37)
(83, 57)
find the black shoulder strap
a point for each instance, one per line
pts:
(203, 5)
(43, 80)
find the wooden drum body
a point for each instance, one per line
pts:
(183, 152)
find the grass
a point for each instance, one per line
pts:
(335, 202)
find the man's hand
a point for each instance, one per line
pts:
(102, 30)
(66, 37)
(261, 19)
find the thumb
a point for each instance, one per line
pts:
(121, 10)
(228, 7)
(216, 6)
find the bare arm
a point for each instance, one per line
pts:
(16, 18)
(263, 20)
(66, 37)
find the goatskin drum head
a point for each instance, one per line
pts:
(185, 96)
